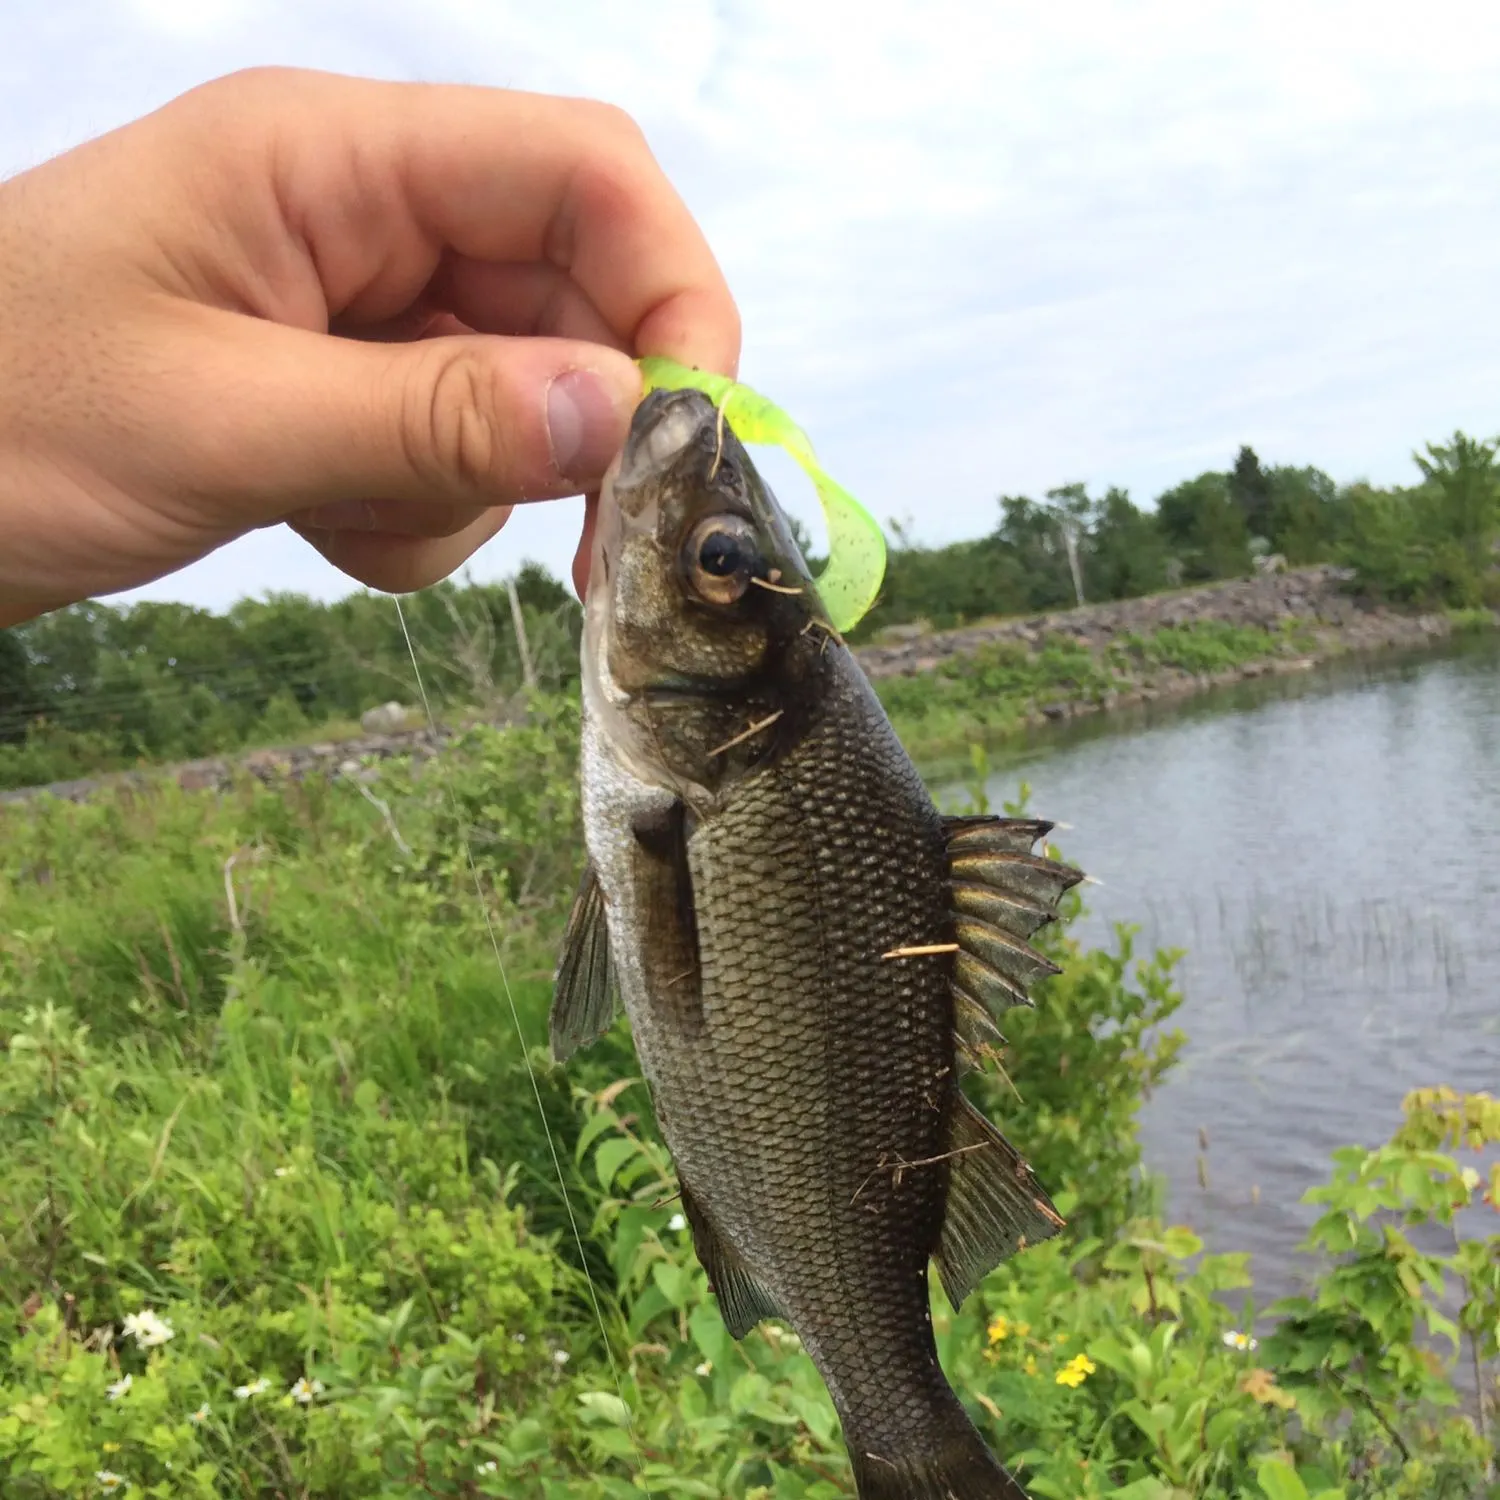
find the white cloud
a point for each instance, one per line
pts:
(976, 251)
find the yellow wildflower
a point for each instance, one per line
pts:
(1260, 1386)
(1030, 1365)
(999, 1329)
(1076, 1371)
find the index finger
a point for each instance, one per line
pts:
(378, 181)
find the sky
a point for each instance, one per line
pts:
(978, 250)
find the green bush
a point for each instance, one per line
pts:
(280, 1215)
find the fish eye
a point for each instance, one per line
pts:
(719, 558)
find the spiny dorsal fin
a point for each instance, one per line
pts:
(1002, 893)
(1012, 956)
(1007, 910)
(1039, 880)
(743, 1300)
(584, 994)
(995, 1206)
(988, 831)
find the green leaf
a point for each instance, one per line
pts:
(607, 1406)
(1278, 1479)
(856, 545)
(1180, 1242)
(610, 1157)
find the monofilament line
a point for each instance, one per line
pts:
(536, 1090)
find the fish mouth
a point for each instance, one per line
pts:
(665, 425)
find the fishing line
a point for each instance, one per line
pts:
(515, 1015)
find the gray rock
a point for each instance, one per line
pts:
(389, 718)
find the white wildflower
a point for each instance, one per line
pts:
(283, 1171)
(255, 1388)
(489, 1466)
(520, 1338)
(148, 1329)
(118, 1389)
(304, 1391)
(677, 1223)
(706, 1368)
(109, 1481)
(1243, 1342)
(199, 1417)
(560, 1357)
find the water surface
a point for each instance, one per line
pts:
(1327, 852)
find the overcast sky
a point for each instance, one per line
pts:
(978, 249)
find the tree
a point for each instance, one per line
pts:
(1028, 532)
(1205, 528)
(1250, 490)
(1127, 554)
(15, 687)
(1072, 511)
(1306, 514)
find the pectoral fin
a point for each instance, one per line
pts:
(743, 1300)
(995, 1206)
(585, 993)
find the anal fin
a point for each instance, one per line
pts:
(743, 1300)
(974, 1028)
(995, 1207)
(584, 992)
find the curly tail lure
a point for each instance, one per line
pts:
(856, 546)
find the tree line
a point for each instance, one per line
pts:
(1428, 544)
(97, 686)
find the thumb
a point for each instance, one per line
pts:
(299, 420)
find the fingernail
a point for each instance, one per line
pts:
(585, 425)
(342, 515)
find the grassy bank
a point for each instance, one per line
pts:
(279, 1216)
(1001, 688)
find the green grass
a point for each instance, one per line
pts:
(999, 688)
(259, 1076)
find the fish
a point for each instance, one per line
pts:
(809, 954)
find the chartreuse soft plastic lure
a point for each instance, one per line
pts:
(856, 545)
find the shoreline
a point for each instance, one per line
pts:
(1305, 615)
(1280, 624)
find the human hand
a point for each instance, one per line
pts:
(168, 380)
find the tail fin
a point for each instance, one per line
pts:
(956, 1465)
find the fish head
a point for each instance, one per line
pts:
(702, 619)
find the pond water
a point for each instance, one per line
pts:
(1326, 850)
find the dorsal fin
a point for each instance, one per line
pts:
(1002, 893)
(974, 1030)
(988, 831)
(995, 1206)
(1007, 910)
(1011, 955)
(1040, 880)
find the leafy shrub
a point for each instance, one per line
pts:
(267, 1116)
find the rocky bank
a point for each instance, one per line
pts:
(1336, 621)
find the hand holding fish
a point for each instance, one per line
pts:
(488, 263)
